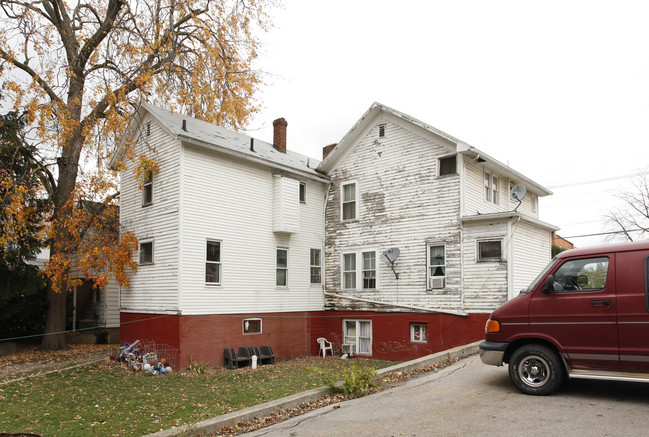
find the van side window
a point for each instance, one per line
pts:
(581, 275)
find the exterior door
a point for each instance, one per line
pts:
(633, 310)
(580, 315)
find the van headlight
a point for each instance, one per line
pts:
(492, 326)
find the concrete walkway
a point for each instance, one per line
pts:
(215, 424)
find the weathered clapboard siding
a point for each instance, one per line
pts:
(531, 253)
(108, 306)
(153, 288)
(474, 200)
(402, 203)
(233, 201)
(485, 282)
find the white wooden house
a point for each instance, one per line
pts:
(465, 246)
(231, 234)
(245, 243)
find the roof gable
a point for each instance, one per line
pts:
(343, 148)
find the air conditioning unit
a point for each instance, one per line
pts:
(349, 349)
(436, 282)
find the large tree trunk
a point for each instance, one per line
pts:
(55, 337)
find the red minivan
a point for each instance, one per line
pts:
(585, 316)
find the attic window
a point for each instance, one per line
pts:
(381, 130)
(148, 129)
(448, 165)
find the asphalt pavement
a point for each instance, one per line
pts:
(469, 398)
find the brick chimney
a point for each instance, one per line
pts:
(327, 149)
(279, 134)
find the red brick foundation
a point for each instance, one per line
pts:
(203, 338)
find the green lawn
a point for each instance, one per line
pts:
(106, 399)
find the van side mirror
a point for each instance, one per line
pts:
(548, 288)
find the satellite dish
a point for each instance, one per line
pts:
(517, 193)
(390, 255)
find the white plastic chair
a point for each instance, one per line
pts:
(325, 346)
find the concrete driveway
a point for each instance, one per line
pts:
(472, 399)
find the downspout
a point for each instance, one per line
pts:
(410, 307)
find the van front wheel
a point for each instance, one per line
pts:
(536, 369)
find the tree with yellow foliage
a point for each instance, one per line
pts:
(79, 69)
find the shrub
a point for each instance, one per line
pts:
(354, 381)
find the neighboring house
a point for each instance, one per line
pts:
(464, 245)
(90, 307)
(231, 234)
(561, 243)
(244, 243)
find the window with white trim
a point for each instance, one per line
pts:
(349, 271)
(281, 277)
(302, 192)
(147, 189)
(359, 270)
(359, 334)
(349, 205)
(447, 165)
(490, 250)
(436, 266)
(316, 266)
(491, 188)
(251, 326)
(146, 252)
(213, 263)
(418, 333)
(369, 270)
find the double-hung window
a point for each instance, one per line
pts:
(349, 271)
(281, 276)
(491, 189)
(359, 270)
(349, 206)
(359, 334)
(436, 266)
(369, 270)
(147, 189)
(316, 266)
(213, 263)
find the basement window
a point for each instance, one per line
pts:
(251, 326)
(418, 333)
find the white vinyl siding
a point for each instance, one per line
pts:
(158, 221)
(245, 225)
(213, 263)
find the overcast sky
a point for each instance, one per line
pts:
(559, 90)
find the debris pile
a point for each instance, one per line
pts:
(149, 357)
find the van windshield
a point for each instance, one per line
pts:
(540, 276)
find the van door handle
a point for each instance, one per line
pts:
(600, 303)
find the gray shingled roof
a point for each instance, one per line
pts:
(211, 136)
